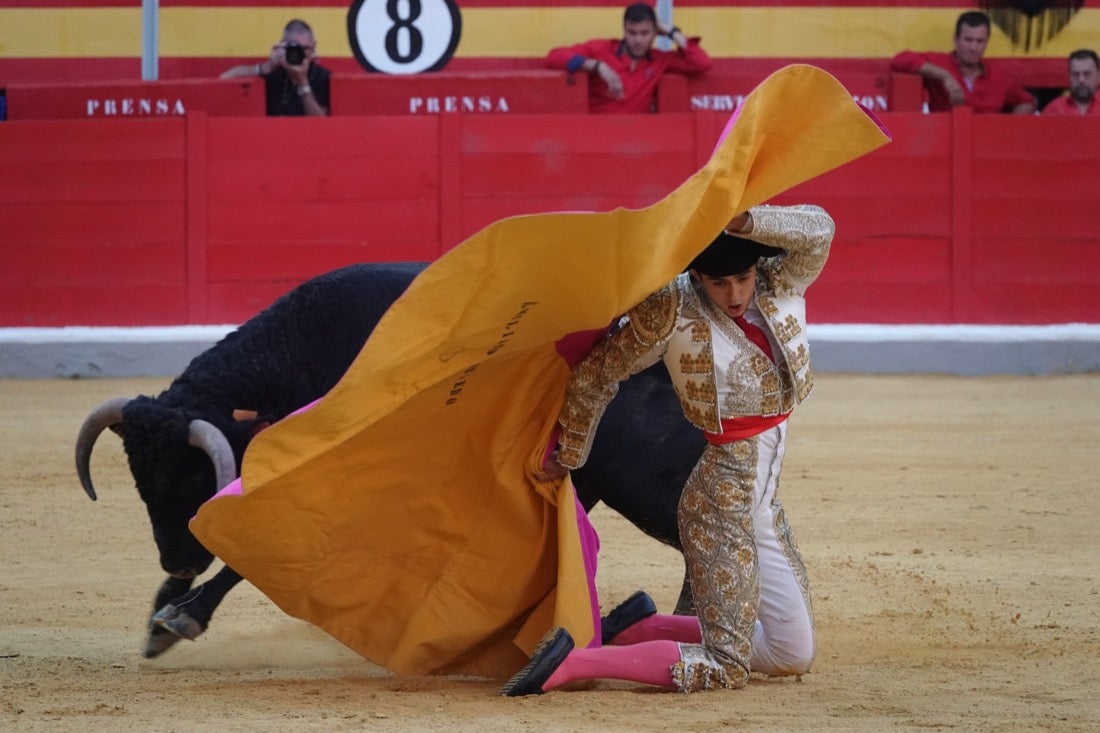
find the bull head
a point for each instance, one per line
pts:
(170, 481)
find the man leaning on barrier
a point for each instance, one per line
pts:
(625, 71)
(964, 77)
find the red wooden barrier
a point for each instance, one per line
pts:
(868, 79)
(501, 92)
(93, 223)
(128, 99)
(295, 197)
(722, 89)
(204, 219)
(523, 91)
(891, 261)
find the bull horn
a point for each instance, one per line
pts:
(101, 418)
(213, 442)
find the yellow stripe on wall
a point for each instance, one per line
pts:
(757, 31)
(69, 32)
(510, 32)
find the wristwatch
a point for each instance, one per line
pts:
(673, 31)
(304, 90)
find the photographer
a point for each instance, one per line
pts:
(295, 84)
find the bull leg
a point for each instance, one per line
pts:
(685, 604)
(188, 615)
(159, 638)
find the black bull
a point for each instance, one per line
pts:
(189, 440)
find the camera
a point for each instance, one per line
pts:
(295, 54)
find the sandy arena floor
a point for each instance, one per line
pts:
(949, 526)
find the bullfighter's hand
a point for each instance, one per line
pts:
(551, 470)
(741, 224)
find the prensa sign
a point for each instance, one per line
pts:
(134, 107)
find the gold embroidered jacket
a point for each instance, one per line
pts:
(680, 324)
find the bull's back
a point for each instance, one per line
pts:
(296, 349)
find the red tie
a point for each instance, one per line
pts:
(756, 335)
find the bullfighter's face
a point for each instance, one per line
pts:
(731, 294)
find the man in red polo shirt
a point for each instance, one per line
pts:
(1084, 72)
(963, 77)
(625, 71)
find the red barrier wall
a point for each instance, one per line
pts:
(203, 219)
(500, 92)
(527, 91)
(93, 223)
(116, 99)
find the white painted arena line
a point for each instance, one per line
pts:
(873, 332)
(972, 350)
(112, 334)
(864, 332)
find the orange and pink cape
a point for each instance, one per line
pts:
(401, 514)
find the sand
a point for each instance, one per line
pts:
(949, 525)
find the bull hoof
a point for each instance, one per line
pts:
(159, 641)
(178, 622)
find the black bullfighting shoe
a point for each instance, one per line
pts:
(626, 614)
(548, 656)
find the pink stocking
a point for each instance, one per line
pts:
(658, 626)
(649, 663)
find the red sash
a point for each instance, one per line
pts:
(739, 428)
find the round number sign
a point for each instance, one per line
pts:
(404, 36)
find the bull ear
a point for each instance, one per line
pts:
(212, 441)
(107, 415)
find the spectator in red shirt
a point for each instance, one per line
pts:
(963, 77)
(625, 71)
(1084, 66)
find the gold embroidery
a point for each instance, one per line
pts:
(694, 673)
(805, 385)
(715, 520)
(788, 329)
(704, 415)
(799, 358)
(698, 364)
(654, 318)
(700, 331)
(805, 232)
(781, 284)
(595, 380)
(699, 391)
